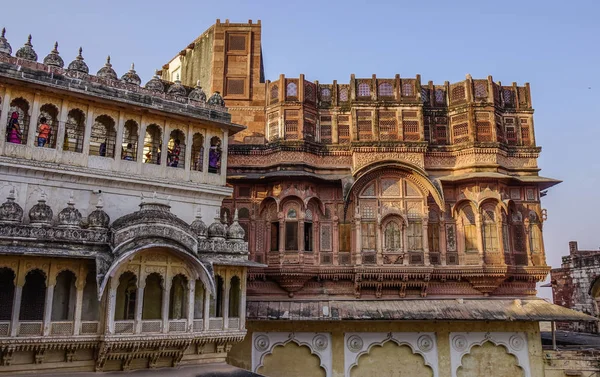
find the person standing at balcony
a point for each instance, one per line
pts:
(43, 132)
(174, 153)
(128, 152)
(13, 131)
(102, 150)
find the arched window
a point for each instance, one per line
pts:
(385, 90)
(214, 156)
(392, 237)
(291, 90)
(469, 229)
(490, 230)
(74, 131)
(153, 292)
(7, 293)
(198, 301)
(364, 90)
(291, 230)
(89, 308)
(152, 144)
(308, 231)
(63, 299)
(33, 297)
(178, 298)
(17, 127)
(47, 126)
(103, 137)
(343, 95)
(216, 303)
(197, 152)
(176, 152)
(130, 141)
(326, 95)
(126, 297)
(235, 296)
(407, 90)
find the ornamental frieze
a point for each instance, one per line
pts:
(360, 159)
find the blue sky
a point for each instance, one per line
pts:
(551, 44)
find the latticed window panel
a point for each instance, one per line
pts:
(274, 93)
(368, 212)
(236, 42)
(364, 125)
(364, 90)
(326, 258)
(291, 91)
(325, 238)
(457, 93)
(440, 97)
(235, 86)
(470, 233)
(124, 327)
(309, 129)
(392, 237)
(525, 135)
(368, 236)
(4, 328)
(385, 90)
(433, 236)
(519, 238)
(484, 131)
(30, 328)
(291, 124)
(480, 89)
(89, 327)
(388, 125)
(425, 95)
(61, 328)
(508, 96)
(343, 94)
(490, 236)
(408, 88)
(460, 132)
(325, 95)
(411, 130)
(345, 235)
(414, 236)
(151, 326)
(310, 92)
(343, 133)
(273, 119)
(510, 131)
(326, 133)
(215, 323)
(177, 326)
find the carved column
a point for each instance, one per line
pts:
(406, 257)
(301, 239)
(499, 229)
(224, 148)
(119, 141)
(48, 309)
(379, 246)
(110, 307)
(139, 305)
(443, 245)
(188, 151)
(79, 285)
(165, 146)
(526, 231)
(89, 122)
(425, 237)
(281, 238)
(35, 113)
(16, 310)
(460, 240)
(243, 289)
(59, 134)
(335, 139)
(478, 226)
(140, 143)
(358, 249)
(335, 237)
(227, 285)
(206, 310)
(191, 304)
(4, 115)
(165, 303)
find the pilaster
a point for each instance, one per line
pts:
(48, 309)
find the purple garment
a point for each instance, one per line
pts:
(14, 136)
(214, 158)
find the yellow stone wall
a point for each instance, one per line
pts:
(391, 359)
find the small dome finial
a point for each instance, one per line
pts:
(3, 32)
(56, 46)
(80, 52)
(108, 59)
(27, 52)
(133, 66)
(78, 64)
(29, 40)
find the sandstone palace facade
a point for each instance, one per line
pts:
(372, 226)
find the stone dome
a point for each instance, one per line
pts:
(78, 65)
(5, 48)
(10, 211)
(177, 89)
(199, 227)
(41, 213)
(132, 77)
(216, 99)
(197, 94)
(27, 52)
(69, 217)
(98, 219)
(53, 58)
(217, 229)
(155, 84)
(235, 232)
(107, 72)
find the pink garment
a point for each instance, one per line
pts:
(14, 136)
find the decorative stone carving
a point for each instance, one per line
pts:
(358, 344)
(131, 77)
(216, 100)
(177, 89)
(10, 211)
(107, 72)
(27, 52)
(98, 219)
(199, 227)
(53, 58)
(5, 48)
(197, 94)
(514, 342)
(155, 84)
(235, 232)
(69, 217)
(217, 230)
(318, 343)
(41, 213)
(78, 65)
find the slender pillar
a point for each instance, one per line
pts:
(4, 115)
(425, 237)
(119, 140)
(165, 305)
(140, 144)
(48, 309)
(242, 309)
(139, 305)
(358, 248)
(227, 283)
(165, 146)
(16, 311)
(479, 227)
(191, 304)
(379, 240)
(406, 259)
(35, 113)
(59, 133)
(443, 245)
(89, 123)
(78, 305)
(206, 311)
(110, 309)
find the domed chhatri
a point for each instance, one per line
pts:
(197, 94)
(27, 52)
(155, 84)
(132, 77)
(41, 214)
(216, 230)
(107, 72)
(177, 89)
(70, 217)
(216, 99)
(78, 65)
(98, 219)
(199, 227)
(10, 211)
(5, 48)
(235, 232)
(53, 58)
